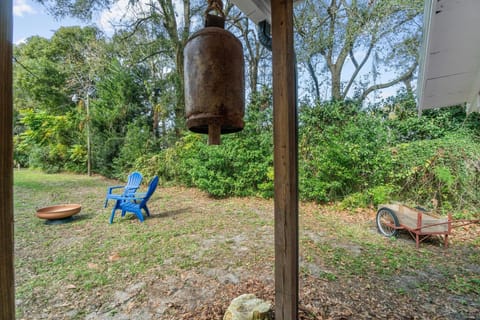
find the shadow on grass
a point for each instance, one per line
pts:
(67, 220)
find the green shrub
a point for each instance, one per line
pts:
(371, 197)
(137, 142)
(441, 173)
(241, 166)
(172, 164)
(43, 158)
(343, 150)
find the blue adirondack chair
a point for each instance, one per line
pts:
(133, 183)
(136, 203)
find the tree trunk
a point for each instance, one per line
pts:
(180, 94)
(253, 75)
(316, 86)
(336, 90)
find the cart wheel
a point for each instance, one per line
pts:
(386, 220)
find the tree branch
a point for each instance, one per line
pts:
(332, 13)
(136, 26)
(311, 70)
(358, 67)
(354, 61)
(151, 55)
(407, 75)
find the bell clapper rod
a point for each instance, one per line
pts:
(214, 130)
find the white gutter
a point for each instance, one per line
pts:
(256, 10)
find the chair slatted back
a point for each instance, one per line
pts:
(133, 183)
(151, 189)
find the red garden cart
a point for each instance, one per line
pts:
(418, 222)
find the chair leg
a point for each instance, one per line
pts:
(139, 214)
(115, 207)
(112, 215)
(106, 203)
(146, 211)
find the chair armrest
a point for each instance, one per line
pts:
(109, 189)
(140, 197)
(134, 197)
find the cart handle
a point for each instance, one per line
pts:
(453, 223)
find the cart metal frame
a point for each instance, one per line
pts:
(418, 222)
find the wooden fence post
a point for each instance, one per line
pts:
(285, 161)
(7, 284)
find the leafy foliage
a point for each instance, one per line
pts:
(342, 151)
(116, 112)
(441, 172)
(347, 152)
(48, 141)
(135, 144)
(339, 40)
(242, 165)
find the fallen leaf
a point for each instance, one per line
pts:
(114, 257)
(93, 266)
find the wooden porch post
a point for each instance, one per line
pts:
(7, 285)
(285, 161)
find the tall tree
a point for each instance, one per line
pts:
(118, 104)
(47, 74)
(165, 25)
(345, 37)
(255, 52)
(39, 79)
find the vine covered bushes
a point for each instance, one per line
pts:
(443, 173)
(342, 151)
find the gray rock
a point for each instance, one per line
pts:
(248, 307)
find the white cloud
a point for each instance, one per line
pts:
(21, 7)
(109, 18)
(20, 41)
(123, 12)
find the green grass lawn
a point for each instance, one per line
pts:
(89, 254)
(73, 270)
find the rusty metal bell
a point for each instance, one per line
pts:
(214, 81)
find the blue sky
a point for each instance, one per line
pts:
(30, 18)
